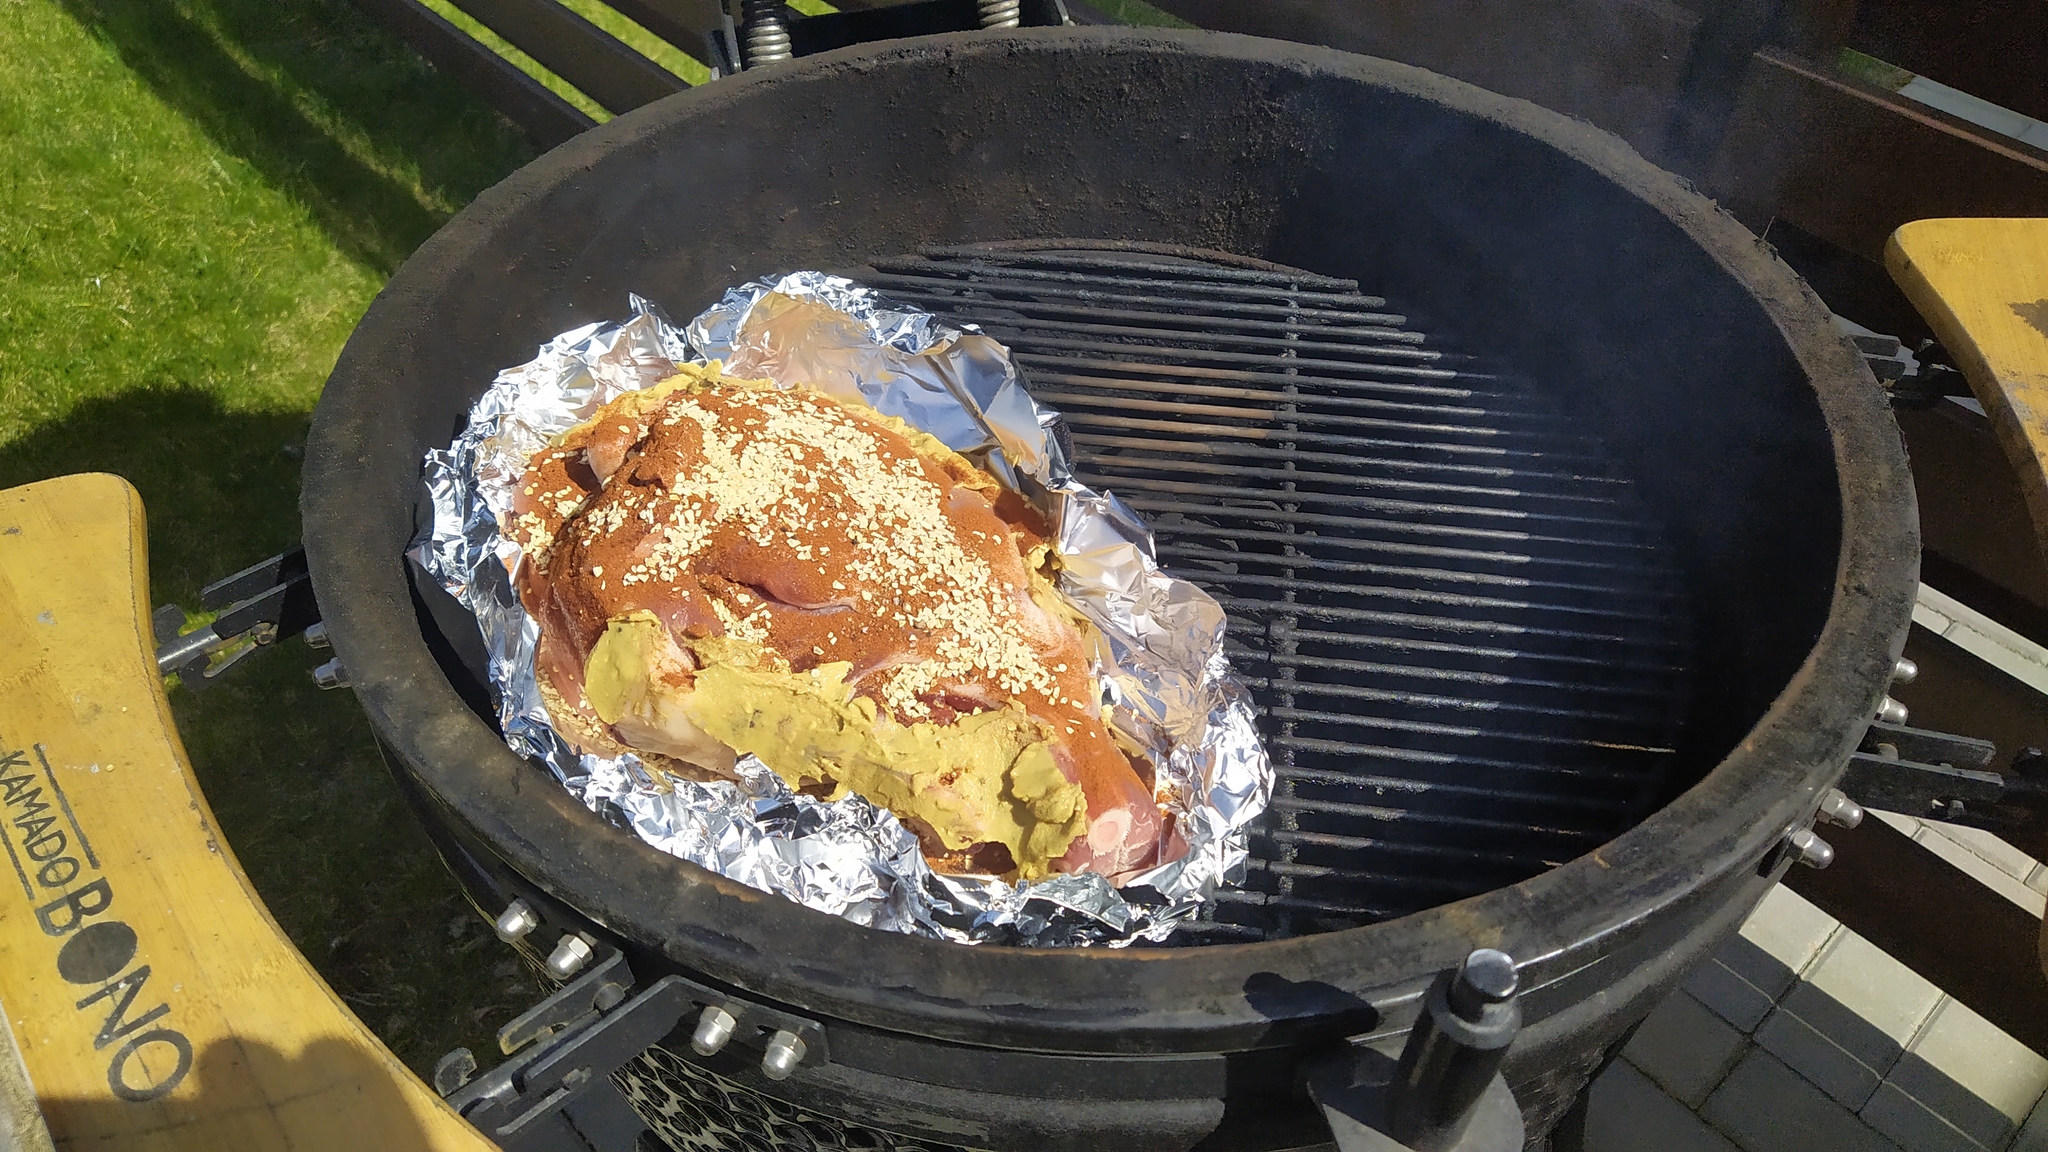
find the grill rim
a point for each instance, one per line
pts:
(358, 496)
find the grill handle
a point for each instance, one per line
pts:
(1445, 1093)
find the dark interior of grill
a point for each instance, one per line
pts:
(1466, 636)
(1523, 507)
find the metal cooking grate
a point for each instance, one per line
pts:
(1465, 638)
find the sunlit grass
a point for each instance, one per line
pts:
(198, 198)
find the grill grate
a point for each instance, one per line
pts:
(1467, 643)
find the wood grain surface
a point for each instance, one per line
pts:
(1982, 285)
(155, 1003)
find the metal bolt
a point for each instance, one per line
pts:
(1809, 849)
(1836, 808)
(331, 674)
(1891, 711)
(517, 920)
(1001, 13)
(316, 636)
(1486, 977)
(714, 1028)
(1904, 671)
(785, 1052)
(571, 953)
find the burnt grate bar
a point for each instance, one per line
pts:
(1466, 638)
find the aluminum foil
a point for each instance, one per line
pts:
(1166, 682)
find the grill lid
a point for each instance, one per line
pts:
(1463, 630)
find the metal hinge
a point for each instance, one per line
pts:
(257, 607)
(1938, 776)
(566, 1044)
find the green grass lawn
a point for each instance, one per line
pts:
(198, 198)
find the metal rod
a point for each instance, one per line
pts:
(1099, 462)
(1416, 596)
(1070, 402)
(1175, 341)
(1182, 388)
(1433, 728)
(1437, 672)
(1086, 420)
(1398, 527)
(1590, 774)
(1601, 802)
(1375, 503)
(1242, 559)
(1178, 274)
(983, 299)
(1606, 662)
(924, 290)
(1021, 338)
(1123, 367)
(1431, 701)
(1187, 448)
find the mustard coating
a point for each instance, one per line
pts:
(988, 777)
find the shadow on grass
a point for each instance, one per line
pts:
(325, 105)
(291, 772)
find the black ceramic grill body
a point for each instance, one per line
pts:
(1758, 436)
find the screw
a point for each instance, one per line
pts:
(516, 920)
(1809, 849)
(1904, 671)
(714, 1028)
(1891, 711)
(785, 1052)
(1836, 808)
(331, 675)
(316, 636)
(571, 953)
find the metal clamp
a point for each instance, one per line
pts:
(1939, 776)
(1445, 1093)
(767, 32)
(571, 1040)
(257, 607)
(592, 1027)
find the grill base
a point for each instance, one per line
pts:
(1465, 633)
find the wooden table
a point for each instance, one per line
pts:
(1982, 284)
(155, 1004)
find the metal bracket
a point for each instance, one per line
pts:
(564, 1045)
(1445, 1093)
(1943, 777)
(257, 607)
(809, 35)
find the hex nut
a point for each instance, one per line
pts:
(1809, 849)
(1836, 808)
(714, 1028)
(516, 921)
(571, 953)
(785, 1052)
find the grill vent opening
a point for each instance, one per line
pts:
(1467, 641)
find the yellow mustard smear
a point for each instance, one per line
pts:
(988, 777)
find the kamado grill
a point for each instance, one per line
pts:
(1567, 551)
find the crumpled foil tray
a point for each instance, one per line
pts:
(1166, 682)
